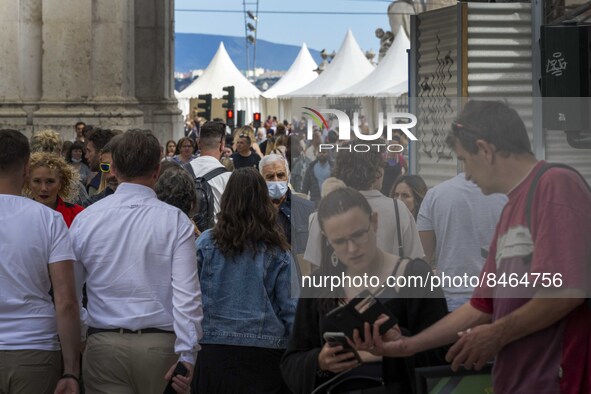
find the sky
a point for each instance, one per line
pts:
(318, 31)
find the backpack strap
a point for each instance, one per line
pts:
(189, 168)
(213, 173)
(397, 214)
(209, 176)
(532, 189)
(530, 197)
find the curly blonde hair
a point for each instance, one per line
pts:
(68, 176)
(46, 141)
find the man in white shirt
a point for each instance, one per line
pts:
(455, 222)
(211, 146)
(35, 255)
(138, 260)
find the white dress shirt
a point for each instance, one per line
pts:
(138, 260)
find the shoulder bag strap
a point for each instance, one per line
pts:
(397, 214)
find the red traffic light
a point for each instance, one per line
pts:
(230, 114)
(257, 116)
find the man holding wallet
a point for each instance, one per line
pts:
(139, 264)
(538, 334)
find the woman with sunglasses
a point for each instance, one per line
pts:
(349, 228)
(109, 182)
(53, 183)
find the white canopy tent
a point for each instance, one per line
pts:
(347, 68)
(221, 72)
(299, 74)
(388, 75)
(388, 80)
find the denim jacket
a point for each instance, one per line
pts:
(247, 299)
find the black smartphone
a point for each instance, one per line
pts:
(180, 369)
(339, 338)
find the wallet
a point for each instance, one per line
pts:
(364, 308)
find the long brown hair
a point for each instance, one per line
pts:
(247, 215)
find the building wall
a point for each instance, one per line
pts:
(108, 63)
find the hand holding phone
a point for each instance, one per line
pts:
(339, 338)
(180, 369)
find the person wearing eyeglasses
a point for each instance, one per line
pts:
(53, 183)
(349, 232)
(184, 151)
(537, 333)
(363, 171)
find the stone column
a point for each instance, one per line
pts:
(87, 69)
(20, 46)
(154, 67)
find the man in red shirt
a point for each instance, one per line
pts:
(538, 328)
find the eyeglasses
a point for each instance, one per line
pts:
(187, 146)
(105, 167)
(358, 237)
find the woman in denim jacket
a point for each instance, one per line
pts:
(248, 310)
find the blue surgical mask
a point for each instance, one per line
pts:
(277, 189)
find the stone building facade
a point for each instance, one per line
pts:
(108, 63)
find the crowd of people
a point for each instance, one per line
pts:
(128, 264)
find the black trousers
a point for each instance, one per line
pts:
(229, 369)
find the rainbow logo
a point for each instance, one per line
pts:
(317, 118)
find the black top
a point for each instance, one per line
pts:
(241, 161)
(300, 362)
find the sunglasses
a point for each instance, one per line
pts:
(105, 167)
(458, 127)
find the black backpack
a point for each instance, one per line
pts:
(204, 216)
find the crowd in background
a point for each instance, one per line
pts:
(188, 256)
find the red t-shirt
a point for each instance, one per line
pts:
(68, 211)
(556, 359)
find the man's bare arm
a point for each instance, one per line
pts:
(444, 332)
(429, 241)
(481, 343)
(67, 314)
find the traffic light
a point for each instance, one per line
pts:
(204, 109)
(228, 98)
(230, 118)
(240, 115)
(256, 120)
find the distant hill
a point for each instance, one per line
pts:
(195, 51)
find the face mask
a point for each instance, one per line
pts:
(76, 160)
(277, 189)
